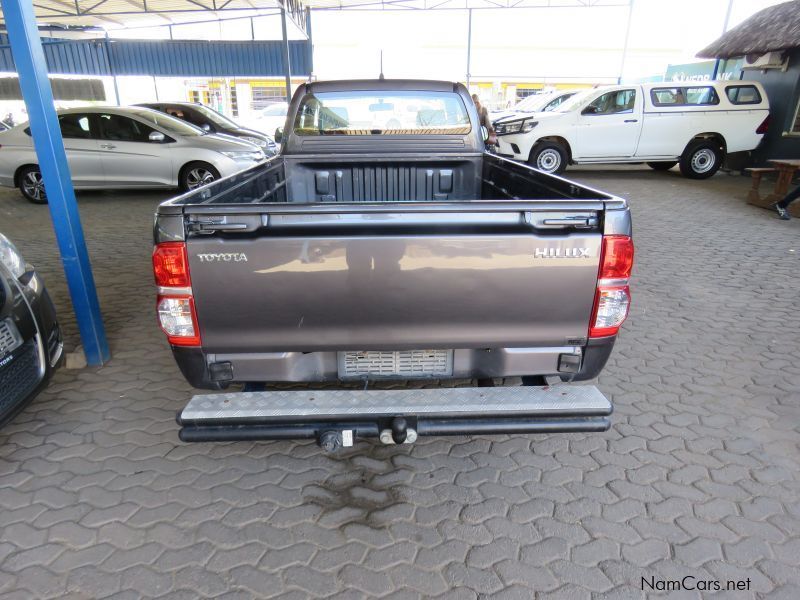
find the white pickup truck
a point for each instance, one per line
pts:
(663, 124)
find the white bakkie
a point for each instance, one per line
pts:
(663, 124)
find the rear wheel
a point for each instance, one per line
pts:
(550, 157)
(662, 165)
(701, 159)
(197, 174)
(31, 185)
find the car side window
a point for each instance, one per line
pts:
(743, 94)
(76, 126)
(123, 129)
(612, 103)
(684, 96)
(195, 118)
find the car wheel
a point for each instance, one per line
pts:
(701, 159)
(665, 165)
(31, 185)
(197, 174)
(550, 157)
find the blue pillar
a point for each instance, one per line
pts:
(287, 64)
(26, 47)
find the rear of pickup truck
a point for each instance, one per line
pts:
(401, 256)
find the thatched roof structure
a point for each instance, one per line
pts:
(772, 29)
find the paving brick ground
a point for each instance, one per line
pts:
(698, 476)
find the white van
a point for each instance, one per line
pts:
(663, 124)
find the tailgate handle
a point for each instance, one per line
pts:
(578, 222)
(202, 226)
(243, 223)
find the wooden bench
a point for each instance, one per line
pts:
(753, 196)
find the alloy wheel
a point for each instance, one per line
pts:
(33, 186)
(199, 176)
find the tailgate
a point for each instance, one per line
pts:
(367, 277)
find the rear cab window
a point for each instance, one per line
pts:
(382, 113)
(704, 95)
(743, 94)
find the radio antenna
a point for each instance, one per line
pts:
(381, 75)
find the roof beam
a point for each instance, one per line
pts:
(54, 10)
(89, 10)
(296, 13)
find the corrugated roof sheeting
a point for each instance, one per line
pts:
(165, 58)
(197, 59)
(85, 57)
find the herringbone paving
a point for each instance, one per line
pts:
(699, 476)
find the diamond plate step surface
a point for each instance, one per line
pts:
(554, 400)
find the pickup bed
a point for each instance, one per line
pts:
(385, 243)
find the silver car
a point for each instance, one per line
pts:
(125, 147)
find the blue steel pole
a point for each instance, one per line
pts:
(29, 59)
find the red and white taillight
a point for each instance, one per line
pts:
(613, 297)
(175, 304)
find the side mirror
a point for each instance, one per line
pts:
(484, 133)
(205, 127)
(156, 136)
(279, 135)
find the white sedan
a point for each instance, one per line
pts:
(113, 147)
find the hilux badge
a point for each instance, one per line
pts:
(562, 253)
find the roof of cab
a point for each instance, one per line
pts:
(381, 85)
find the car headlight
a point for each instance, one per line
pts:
(10, 257)
(254, 140)
(512, 127)
(245, 155)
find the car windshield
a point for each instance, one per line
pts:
(167, 123)
(533, 103)
(276, 110)
(216, 118)
(382, 113)
(574, 102)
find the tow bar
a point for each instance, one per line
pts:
(336, 417)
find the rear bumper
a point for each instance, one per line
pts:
(215, 370)
(395, 416)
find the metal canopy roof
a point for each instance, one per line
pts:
(121, 13)
(454, 4)
(134, 13)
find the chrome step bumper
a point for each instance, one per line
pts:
(404, 414)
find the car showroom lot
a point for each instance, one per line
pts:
(699, 475)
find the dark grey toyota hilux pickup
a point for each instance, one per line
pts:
(385, 243)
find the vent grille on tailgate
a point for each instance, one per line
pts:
(383, 184)
(403, 363)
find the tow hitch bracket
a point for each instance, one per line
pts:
(336, 418)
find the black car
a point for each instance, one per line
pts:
(214, 122)
(30, 338)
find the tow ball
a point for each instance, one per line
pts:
(400, 433)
